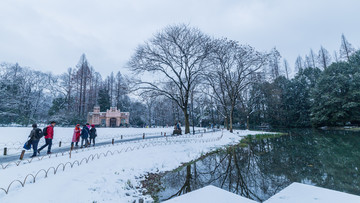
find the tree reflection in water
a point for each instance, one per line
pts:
(329, 159)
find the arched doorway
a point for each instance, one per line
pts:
(112, 122)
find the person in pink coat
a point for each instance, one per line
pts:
(76, 135)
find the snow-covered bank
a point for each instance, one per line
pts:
(114, 178)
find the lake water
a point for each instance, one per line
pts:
(329, 159)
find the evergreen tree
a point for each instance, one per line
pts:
(337, 95)
(104, 99)
(298, 99)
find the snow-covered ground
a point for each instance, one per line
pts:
(112, 178)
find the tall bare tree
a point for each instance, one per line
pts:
(233, 65)
(176, 57)
(274, 63)
(299, 64)
(287, 68)
(336, 58)
(111, 88)
(324, 58)
(83, 75)
(346, 48)
(312, 58)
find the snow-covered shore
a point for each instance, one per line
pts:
(114, 178)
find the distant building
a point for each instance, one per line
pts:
(110, 118)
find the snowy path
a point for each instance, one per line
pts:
(59, 150)
(13, 138)
(112, 178)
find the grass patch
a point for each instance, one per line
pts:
(353, 129)
(248, 139)
(153, 185)
(346, 128)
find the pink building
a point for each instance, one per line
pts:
(111, 118)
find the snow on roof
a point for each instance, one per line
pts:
(210, 194)
(299, 193)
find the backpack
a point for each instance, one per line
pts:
(44, 132)
(38, 133)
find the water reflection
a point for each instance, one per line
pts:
(329, 159)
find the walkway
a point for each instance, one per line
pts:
(28, 153)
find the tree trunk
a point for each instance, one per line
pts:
(226, 124)
(187, 123)
(188, 178)
(231, 119)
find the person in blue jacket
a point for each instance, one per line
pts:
(84, 136)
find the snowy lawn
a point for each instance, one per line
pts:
(114, 178)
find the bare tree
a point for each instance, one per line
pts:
(66, 87)
(324, 58)
(111, 88)
(346, 48)
(308, 62)
(121, 89)
(176, 57)
(287, 68)
(274, 63)
(312, 58)
(298, 64)
(336, 57)
(232, 66)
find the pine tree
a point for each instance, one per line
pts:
(104, 99)
(337, 95)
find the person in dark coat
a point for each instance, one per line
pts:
(93, 134)
(35, 135)
(49, 137)
(84, 136)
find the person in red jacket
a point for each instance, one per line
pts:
(76, 135)
(48, 137)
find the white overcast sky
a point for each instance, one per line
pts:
(51, 35)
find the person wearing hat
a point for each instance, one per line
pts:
(93, 134)
(76, 135)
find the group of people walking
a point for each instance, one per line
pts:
(88, 131)
(85, 133)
